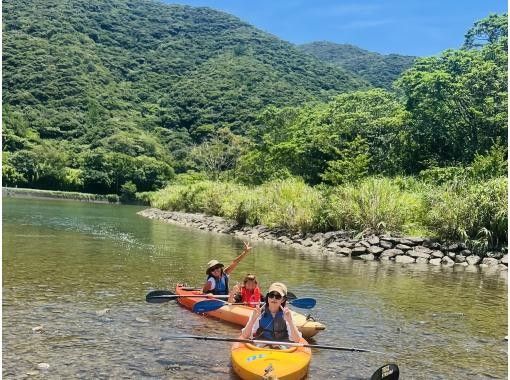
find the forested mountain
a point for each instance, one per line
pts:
(377, 69)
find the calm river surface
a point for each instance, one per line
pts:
(66, 262)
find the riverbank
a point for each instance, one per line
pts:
(54, 194)
(384, 247)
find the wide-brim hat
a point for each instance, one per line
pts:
(211, 264)
(279, 288)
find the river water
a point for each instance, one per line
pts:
(75, 276)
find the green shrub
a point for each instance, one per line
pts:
(474, 213)
(376, 204)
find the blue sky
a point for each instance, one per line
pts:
(410, 27)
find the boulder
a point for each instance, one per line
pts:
(418, 254)
(473, 259)
(436, 261)
(504, 260)
(404, 259)
(447, 261)
(403, 247)
(422, 260)
(357, 251)
(437, 254)
(490, 261)
(373, 240)
(343, 251)
(386, 244)
(375, 250)
(389, 253)
(460, 258)
(366, 257)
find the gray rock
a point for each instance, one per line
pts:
(318, 236)
(460, 258)
(504, 260)
(495, 255)
(404, 241)
(437, 254)
(386, 244)
(38, 329)
(418, 253)
(473, 259)
(373, 240)
(422, 249)
(415, 240)
(422, 260)
(356, 251)
(447, 261)
(404, 259)
(365, 244)
(502, 267)
(490, 261)
(346, 244)
(375, 250)
(367, 257)
(389, 253)
(465, 252)
(452, 255)
(344, 251)
(334, 244)
(453, 247)
(436, 261)
(307, 243)
(403, 247)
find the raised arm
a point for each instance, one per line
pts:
(236, 261)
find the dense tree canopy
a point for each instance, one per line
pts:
(119, 96)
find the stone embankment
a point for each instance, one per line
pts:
(342, 243)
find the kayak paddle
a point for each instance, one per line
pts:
(386, 372)
(211, 305)
(271, 342)
(160, 296)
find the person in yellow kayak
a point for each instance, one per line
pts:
(274, 320)
(217, 277)
(249, 293)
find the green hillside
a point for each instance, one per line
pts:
(377, 69)
(142, 62)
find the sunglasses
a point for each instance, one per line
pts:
(274, 295)
(214, 268)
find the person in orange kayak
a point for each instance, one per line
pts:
(274, 320)
(217, 277)
(249, 293)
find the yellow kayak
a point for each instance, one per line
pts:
(251, 362)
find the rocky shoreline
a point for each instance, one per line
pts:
(400, 249)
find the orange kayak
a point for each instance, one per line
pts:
(253, 363)
(239, 314)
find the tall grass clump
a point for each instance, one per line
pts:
(375, 204)
(290, 204)
(476, 213)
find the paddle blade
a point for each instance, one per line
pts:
(207, 305)
(386, 372)
(291, 296)
(160, 296)
(303, 303)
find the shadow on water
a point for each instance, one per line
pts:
(75, 276)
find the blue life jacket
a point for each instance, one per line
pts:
(221, 287)
(272, 328)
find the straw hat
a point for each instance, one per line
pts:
(279, 288)
(211, 264)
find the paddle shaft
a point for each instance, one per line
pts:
(269, 342)
(172, 296)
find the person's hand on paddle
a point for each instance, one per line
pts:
(246, 246)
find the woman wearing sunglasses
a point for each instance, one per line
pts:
(274, 321)
(217, 278)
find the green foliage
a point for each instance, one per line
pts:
(352, 166)
(378, 70)
(490, 30)
(476, 213)
(457, 104)
(128, 192)
(376, 204)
